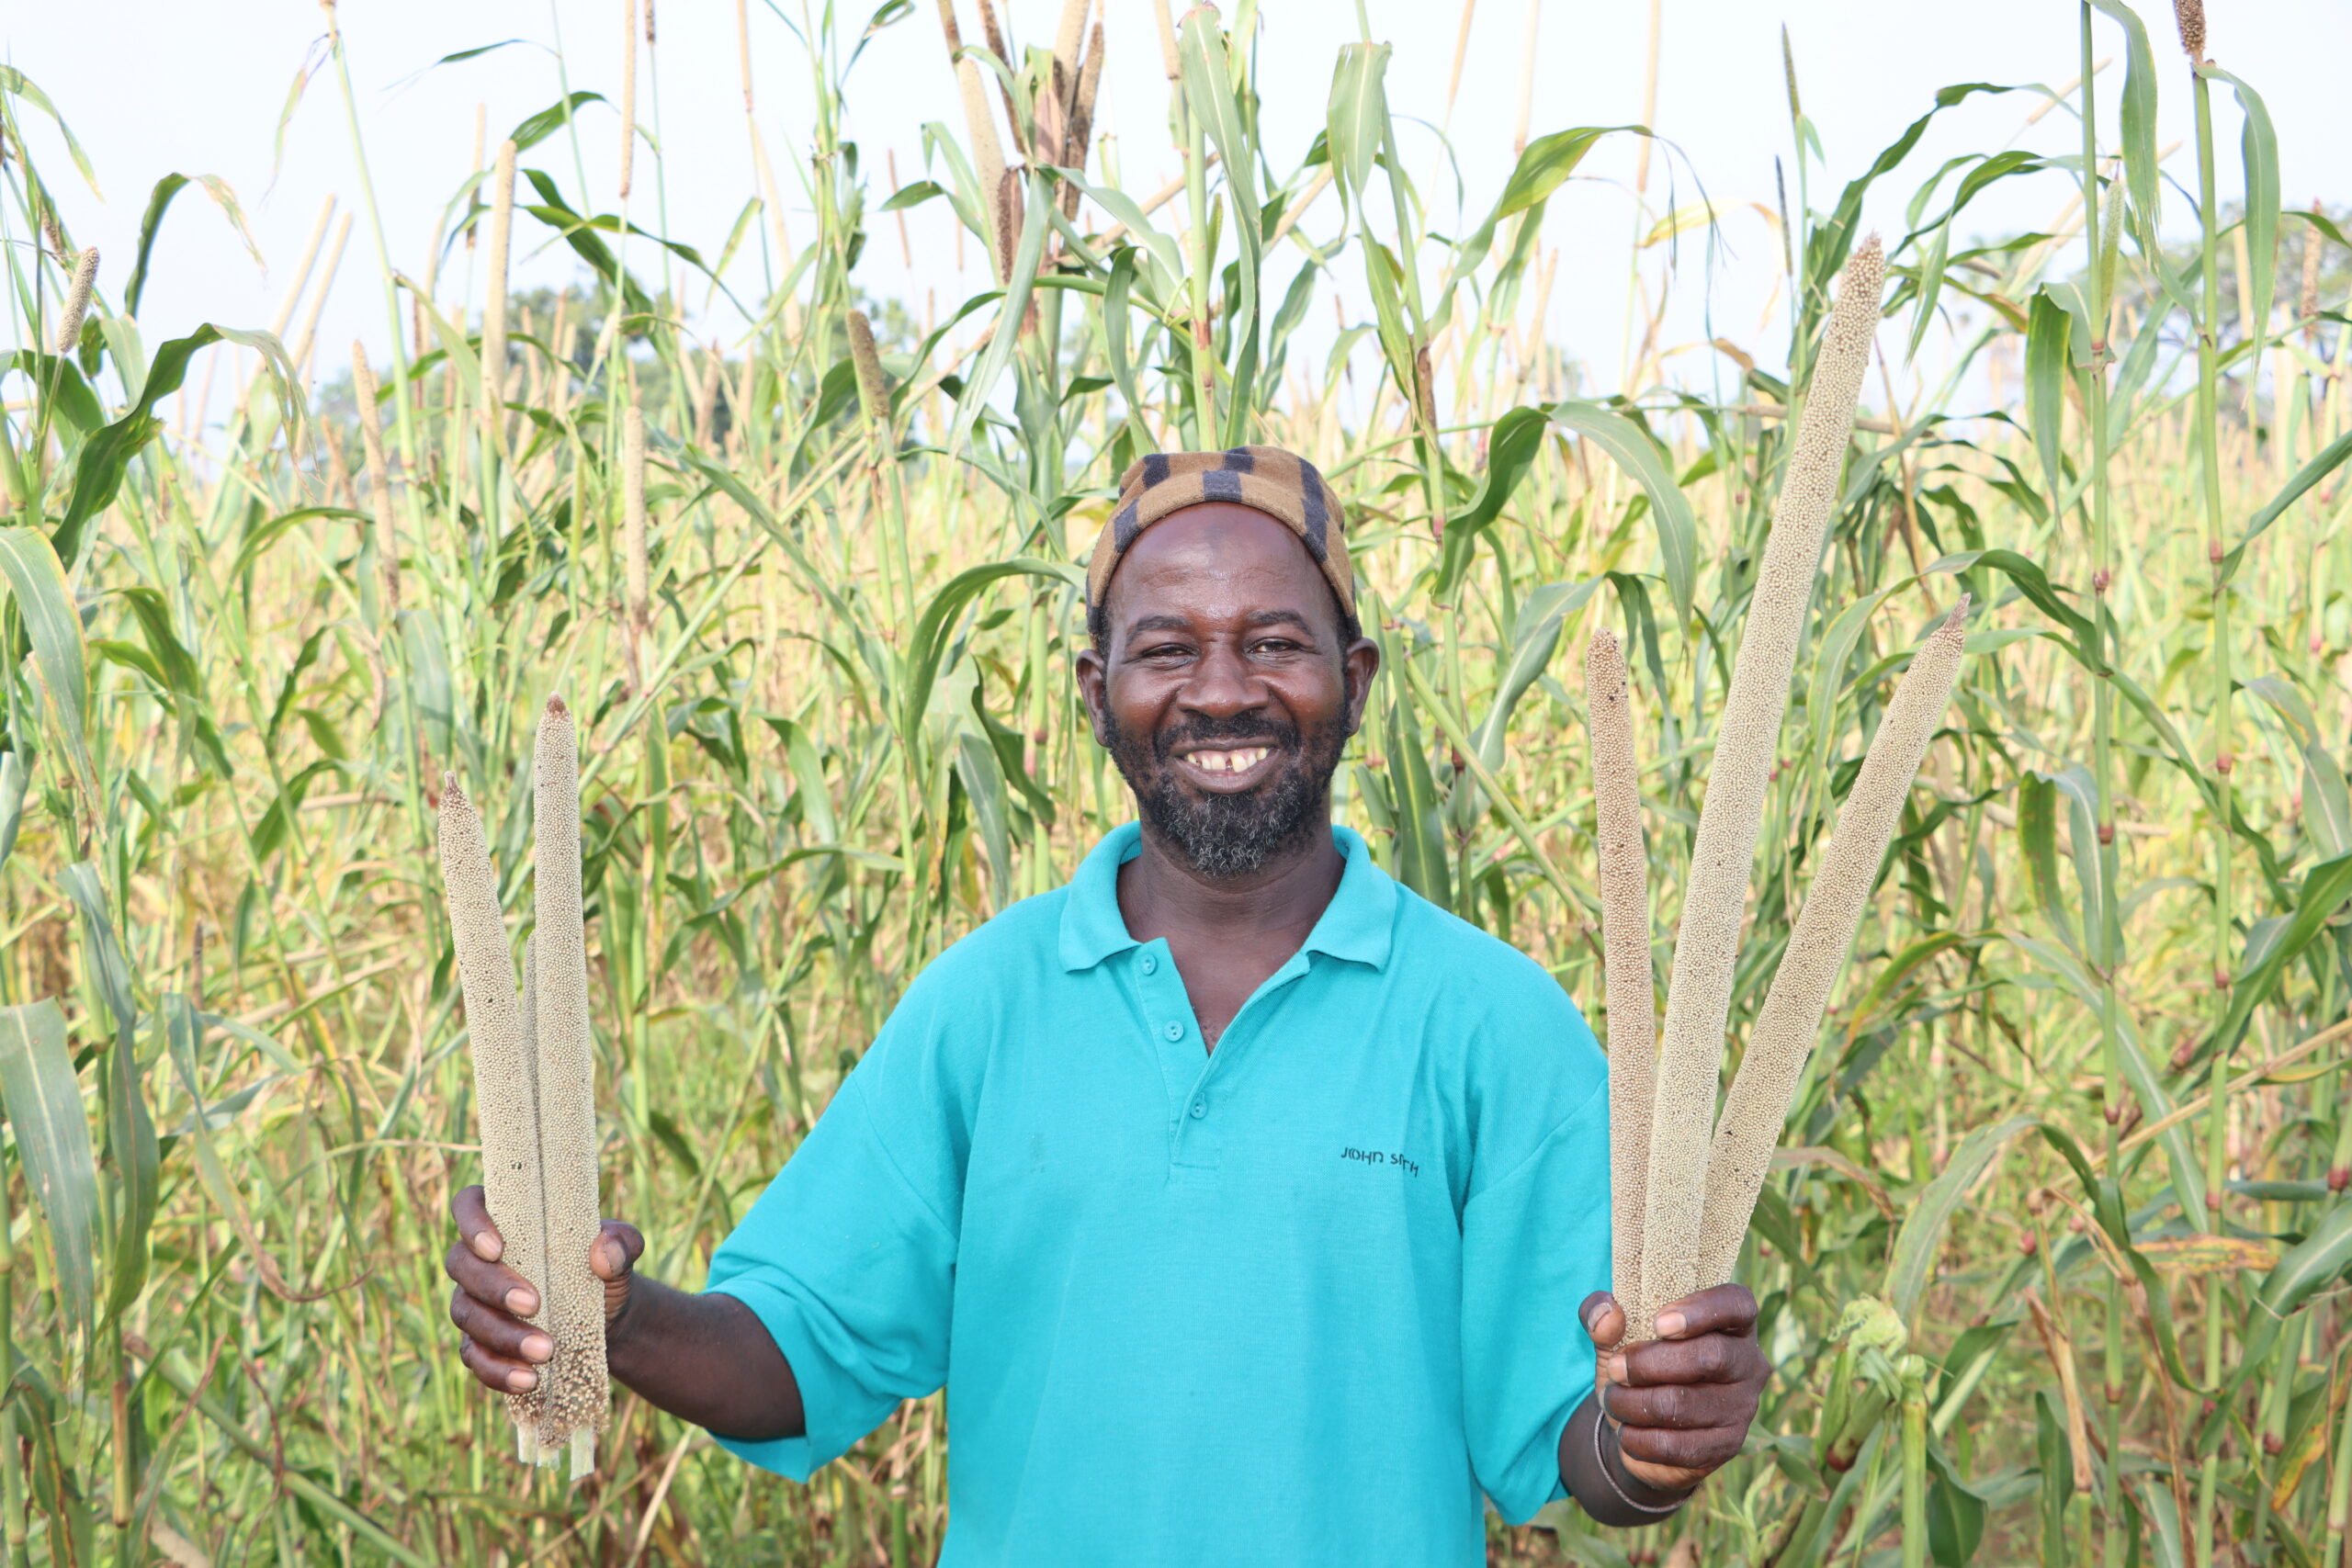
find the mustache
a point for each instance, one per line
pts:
(1242, 730)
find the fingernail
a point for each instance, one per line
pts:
(1669, 1324)
(538, 1348)
(487, 1245)
(615, 1258)
(521, 1301)
(522, 1382)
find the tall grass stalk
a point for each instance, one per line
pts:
(818, 647)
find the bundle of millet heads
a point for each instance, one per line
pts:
(535, 1086)
(1681, 1199)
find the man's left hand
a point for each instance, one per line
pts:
(1681, 1403)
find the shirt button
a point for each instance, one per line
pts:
(1200, 1109)
(1150, 965)
(1175, 1030)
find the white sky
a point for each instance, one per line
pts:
(152, 86)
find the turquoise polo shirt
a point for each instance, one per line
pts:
(1300, 1301)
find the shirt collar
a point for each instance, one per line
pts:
(1354, 926)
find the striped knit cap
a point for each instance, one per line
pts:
(1281, 484)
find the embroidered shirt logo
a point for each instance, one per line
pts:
(1375, 1156)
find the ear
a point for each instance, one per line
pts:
(1358, 664)
(1094, 676)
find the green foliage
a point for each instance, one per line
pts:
(231, 1051)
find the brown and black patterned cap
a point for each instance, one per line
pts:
(1282, 485)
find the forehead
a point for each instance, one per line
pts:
(1217, 559)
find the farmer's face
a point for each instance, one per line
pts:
(1225, 694)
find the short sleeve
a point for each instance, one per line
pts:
(1534, 1244)
(849, 1257)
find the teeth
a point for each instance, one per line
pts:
(1228, 761)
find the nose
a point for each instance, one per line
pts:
(1222, 685)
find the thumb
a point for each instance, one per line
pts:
(1603, 1319)
(614, 1259)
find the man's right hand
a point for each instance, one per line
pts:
(492, 1301)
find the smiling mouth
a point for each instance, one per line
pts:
(1227, 763)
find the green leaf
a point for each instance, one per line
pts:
(2325, 463)
(1420, 822)
(2258, 146)
(2031, 581)
(158, 200)
(2323, 1256)
(914, 195)
(1837, 651)
(13, 776)
(1114, 343)
(2046, 360)
(45, 605)
(1168, 262)
(1638, 455)
(154, 617)
(104, 456)
(16, 81)
(476, 52)
(2325, 887)
(61, 387)
(1833, 240)
(549, 120)
(580, 234)
(1955, 1514)
(259, 541)
(1208, 91)
(808, 779)
(2081, 791)
(2038, 827)
(1533, 635)
(983, 781)
(2139, 124)
(928, 648)
(1513, 445)
(1356, 119)
(108, 974)
(130, 1135)
(1548, 161)
(1912, 1262)
(44, 1106)
(1011, 313)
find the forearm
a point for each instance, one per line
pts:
(1595, 1474)
(704, 1359)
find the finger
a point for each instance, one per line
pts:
(471, 1211)
(619, 1246)
(492, 1283)
(501, 1372)
(1680, 1407)
(499, 1333)
(1604, 1320)
(1702, 1450)
(1725, 1309)
(612, 1257)
(1716, 1358)
(1664, 1477)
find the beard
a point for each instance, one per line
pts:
(1225, 836)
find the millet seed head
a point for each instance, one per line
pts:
(2190, 16)
(1706, 949)
(77, 301)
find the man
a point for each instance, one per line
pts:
(1250, 1209)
